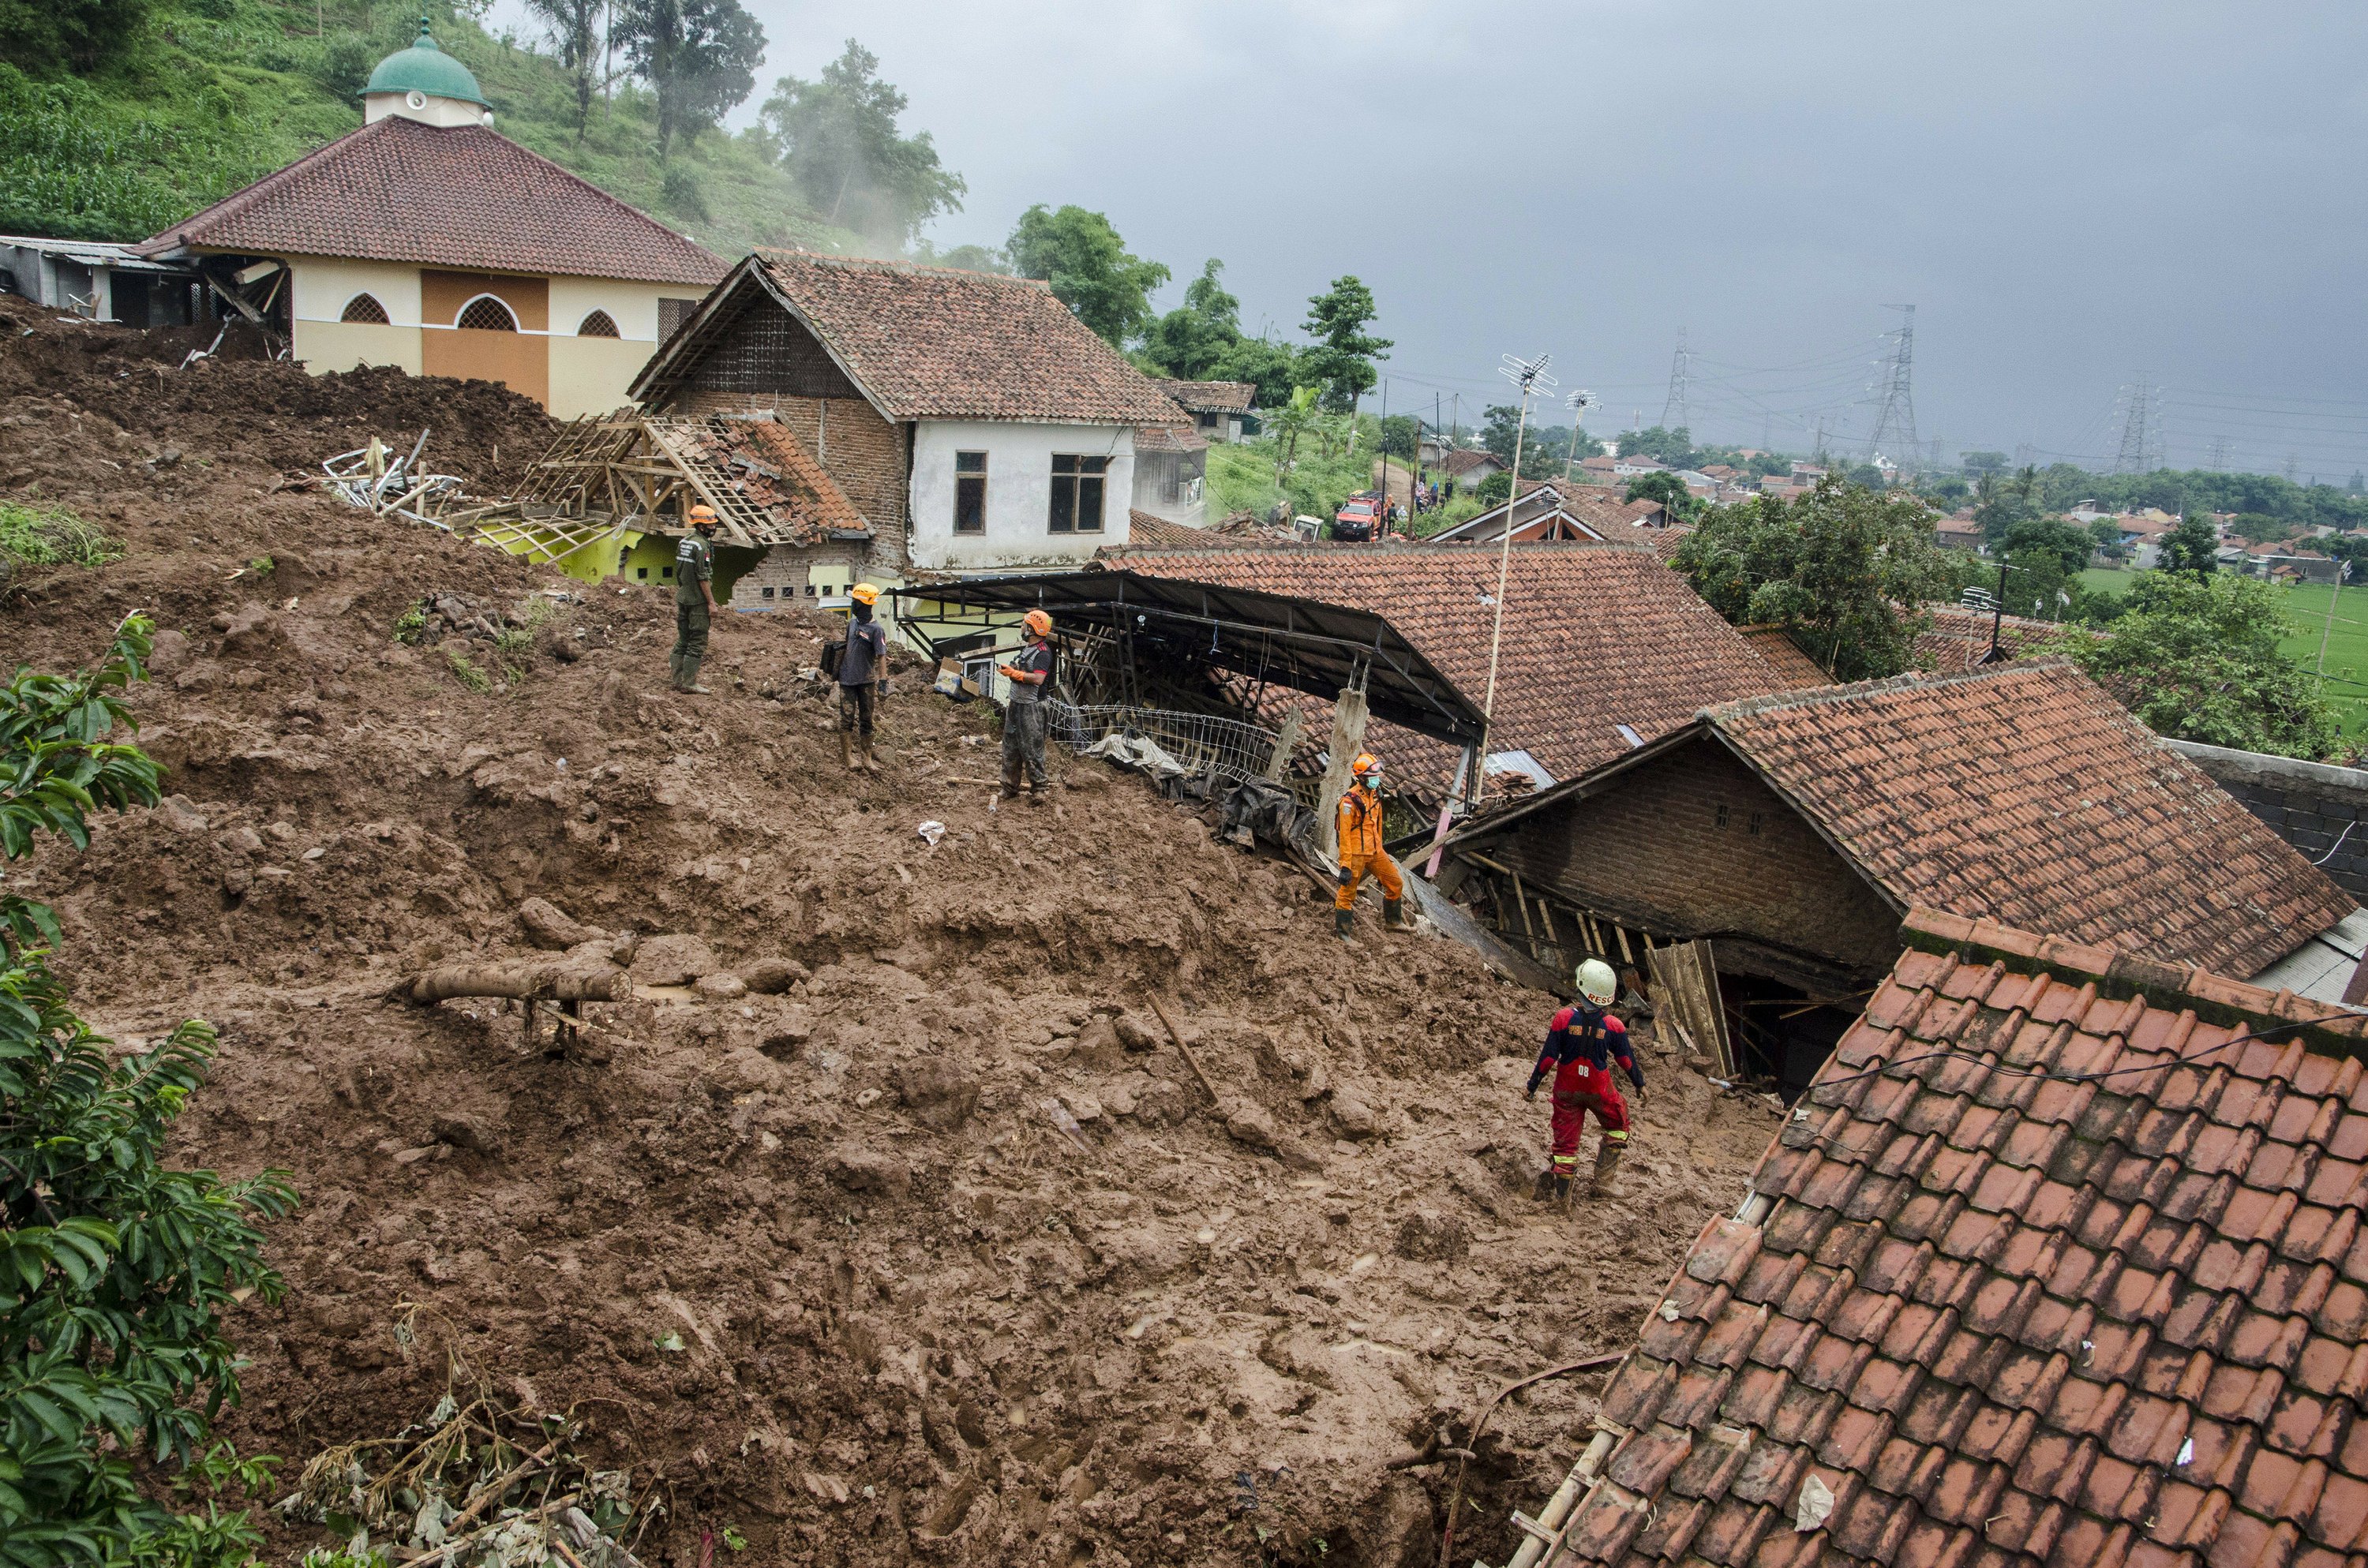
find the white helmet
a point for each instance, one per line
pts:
(1597, 983)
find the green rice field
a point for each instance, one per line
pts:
(2306, 605)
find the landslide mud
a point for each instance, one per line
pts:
(917, 1318)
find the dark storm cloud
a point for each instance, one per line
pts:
(2074, 195)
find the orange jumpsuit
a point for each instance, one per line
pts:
(1361, 851)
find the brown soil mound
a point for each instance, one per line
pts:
(958, 1263)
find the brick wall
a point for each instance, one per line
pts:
(2321, 809)
(788, 571)
(1691, 843)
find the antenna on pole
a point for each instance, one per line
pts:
(1578, 403)
(1529, 376)
(1895, 420)
(1675, 415)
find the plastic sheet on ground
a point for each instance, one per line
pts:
(1139, 752)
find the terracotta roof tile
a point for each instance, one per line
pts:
(2056, 1402)
(1959, 638)
(934, 343)
(1579, 620)
(1794, 670)
(444, 196)
(1169, 439)
(1212, 397)
(2025, 793)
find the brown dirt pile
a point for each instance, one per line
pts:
(958, 1265)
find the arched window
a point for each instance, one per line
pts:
(365, 307)
(486, 314)
(600, 324)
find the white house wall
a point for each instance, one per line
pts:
(1019, 493)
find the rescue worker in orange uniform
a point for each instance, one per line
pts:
(1582, 1043)
(1361, 851)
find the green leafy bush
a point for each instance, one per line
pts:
(114, 1270)
(48, 536)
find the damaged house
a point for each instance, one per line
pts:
(971, 422)
(1783, 838)
(2058, 1261)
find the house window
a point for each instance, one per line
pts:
(672, 313)
(486, 314)
(1077, 485)
(970, 492)
(600, 324)
(365, 308)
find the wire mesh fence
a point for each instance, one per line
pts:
(1215, 753)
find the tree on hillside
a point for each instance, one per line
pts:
(114, 1269)
(1089, 268)
(1983, 462)
(1398, 435)
(1341, 359)
(1672, 448)
(575, 28)
(1191, 341)
(1844, 569)
(2196, 658)
(2192, 546)
(1669, 491)
(961, 259)
(42, 37)
(838, 139)
(1273, 367)
(699, 56)
(2000, 502)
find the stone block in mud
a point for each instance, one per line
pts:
(745, 1069)
(1426, 1235)
(771, 977)
(1351, 1115)
(722, 987)
(547, 926)
(673, 961)
(938, 1093)
(868, 1171)
(182, 814)
(1162, 1103)
(1098, 1046)
(1136, 1035)
(466, 1130)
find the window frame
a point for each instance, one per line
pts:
(964, 479)
(605, 319)
(1070, 483)
(345, 317)
(461, 315)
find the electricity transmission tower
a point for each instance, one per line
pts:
(2219, 461)
(1895, 420)
(2141, 449)
(1675, 416)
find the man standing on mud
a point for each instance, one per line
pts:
(862, 680)
(1582, 1043)
(694, 600)
(1023, 716)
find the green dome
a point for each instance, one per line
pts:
(425, 68)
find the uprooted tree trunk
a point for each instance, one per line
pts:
(520, 981)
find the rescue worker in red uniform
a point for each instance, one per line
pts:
(1581, 1046)
(1362, 855)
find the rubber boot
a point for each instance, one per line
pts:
(1543, 1189)
(1344, 922)
(1607, 1170)
(847, 752)
(1561, 1190)
(1011, 781)
(1393, 915)
(863, 758)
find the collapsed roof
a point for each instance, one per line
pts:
(647, 471)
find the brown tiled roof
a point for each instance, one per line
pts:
(1958, 638)
(1146, 530)
(1795, 671)
(932, 342)
(1210, 397)
(2052, 1265)
(443, 195)
(1596, 635)
(772, 469)
(1169, 439)
(1463, 459)
(2024, 793)
(1663, 542)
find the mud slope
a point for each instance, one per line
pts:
(917, 1316)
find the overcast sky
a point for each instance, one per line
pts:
(2075, 194)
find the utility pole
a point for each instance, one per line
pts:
(1530, 377)
(1675, 415)
(1578, 403)
(1382, 450)
(1896, 419)
(2342, 569)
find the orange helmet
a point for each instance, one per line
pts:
(702, 516)
(1367, 766)
(1038, 624)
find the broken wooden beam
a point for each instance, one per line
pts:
(518, 982)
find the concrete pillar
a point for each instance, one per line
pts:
(1348, 740)
(1285, 743)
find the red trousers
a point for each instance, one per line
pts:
(1570, 1108)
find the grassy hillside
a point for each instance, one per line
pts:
(217, 93)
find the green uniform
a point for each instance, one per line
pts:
(694, 564)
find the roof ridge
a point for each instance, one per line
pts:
(239, 201)
(897, 263)
(1750, 707)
